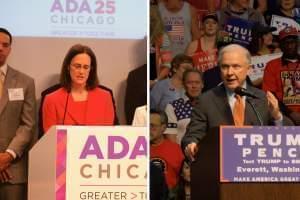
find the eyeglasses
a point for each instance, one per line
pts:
(77, 66)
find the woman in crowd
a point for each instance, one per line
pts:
(79, 101)
(239, 9)
(287, 8)
(160, 52)
(204, 49)
(262, 41)
(262, 44)
(169, 89)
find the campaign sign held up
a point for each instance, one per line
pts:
(239, 30)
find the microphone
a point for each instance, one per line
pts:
(66, 106)
(244, 92)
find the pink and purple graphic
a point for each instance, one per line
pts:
(61, 155)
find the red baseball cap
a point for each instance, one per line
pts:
(288, 31)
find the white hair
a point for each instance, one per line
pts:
(234, 48)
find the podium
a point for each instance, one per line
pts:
(89, 162)
(207, 170)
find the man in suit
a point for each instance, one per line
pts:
(217, 107)
(17, 121)
(136, 91)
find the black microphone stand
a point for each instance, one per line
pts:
(66, 105)
(258, 115)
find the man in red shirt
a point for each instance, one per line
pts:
(164, 152)
(282, 75)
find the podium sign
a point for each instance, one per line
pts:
(260, 154)
(76, 162)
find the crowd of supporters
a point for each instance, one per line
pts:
(185, 38)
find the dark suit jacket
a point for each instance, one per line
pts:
(136, 91)
(211, 111)
(158, 185)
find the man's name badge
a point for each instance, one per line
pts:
(16, 94)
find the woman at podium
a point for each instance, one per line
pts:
(79, 101)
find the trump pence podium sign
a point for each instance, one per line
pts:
(260, 154)
(89, 162)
